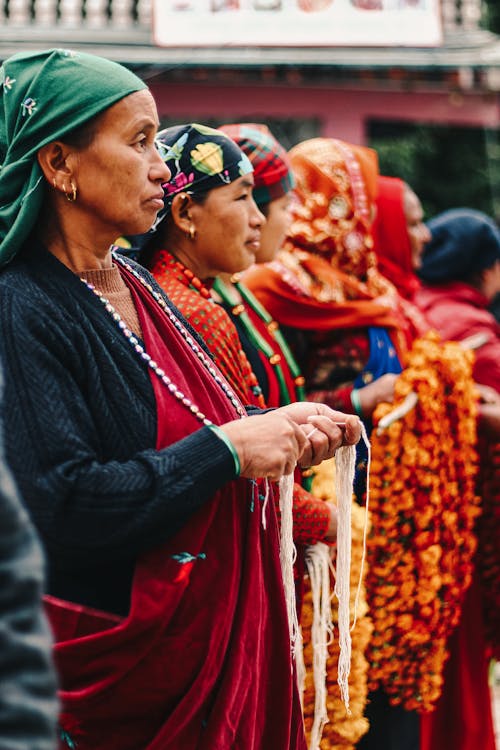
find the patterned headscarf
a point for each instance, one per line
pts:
(336, 191)
(44, 96)
(200, 159)
(272, 172)
(326, 276)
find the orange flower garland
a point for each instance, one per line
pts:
(342, 731)
(423, 509)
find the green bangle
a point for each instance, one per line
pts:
(222, 435)
(356, 403)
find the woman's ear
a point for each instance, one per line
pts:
(53, 161)
(180, 212)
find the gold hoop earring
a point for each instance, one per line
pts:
(54, 183)
(71, 197)
(192, 232)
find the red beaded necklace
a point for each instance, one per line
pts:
(193, 280)
(212, 323)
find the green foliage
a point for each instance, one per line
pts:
(446, 166)
(492, 15)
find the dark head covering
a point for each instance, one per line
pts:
(272, 172)
(44, 96)
(200, 159)
(464, 243)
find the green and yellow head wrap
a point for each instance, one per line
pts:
(43, 96)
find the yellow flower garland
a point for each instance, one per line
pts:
(423, 509)
(343, 731)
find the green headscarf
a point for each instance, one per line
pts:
(43, 96)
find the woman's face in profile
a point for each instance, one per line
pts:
(274, 230)
(228, 229)
(119, 175)
(418, 232)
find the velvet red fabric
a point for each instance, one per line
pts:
(203, 658)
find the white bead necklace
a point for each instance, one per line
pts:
(142, 353)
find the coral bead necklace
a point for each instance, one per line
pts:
(194, 282)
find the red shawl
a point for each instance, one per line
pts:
(278, 288)
(327, 277)
(458, 310)
(390, 237)
(203, 658)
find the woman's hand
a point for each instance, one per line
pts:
(271, 445)
(268, 445)
(325, 428)
(380, 390)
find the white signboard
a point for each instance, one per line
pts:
(292, 23)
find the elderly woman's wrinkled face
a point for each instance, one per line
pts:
(227, 229)
(418, 232)
(119, 176)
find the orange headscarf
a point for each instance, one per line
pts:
(327, 277)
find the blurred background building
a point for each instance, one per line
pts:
(432, 112)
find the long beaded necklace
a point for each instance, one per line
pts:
(139, 349)
(259, 341)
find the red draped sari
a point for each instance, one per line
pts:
(203, 658)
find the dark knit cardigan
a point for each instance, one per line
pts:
(80, 433)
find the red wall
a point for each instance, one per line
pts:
(342, 113)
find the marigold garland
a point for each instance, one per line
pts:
(423, 509)
(343, 731)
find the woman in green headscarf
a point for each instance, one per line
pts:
(136, 458)
(46, 95)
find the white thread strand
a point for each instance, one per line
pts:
(288, 553)
(345, 460)
(264, 504)
(317, 558)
